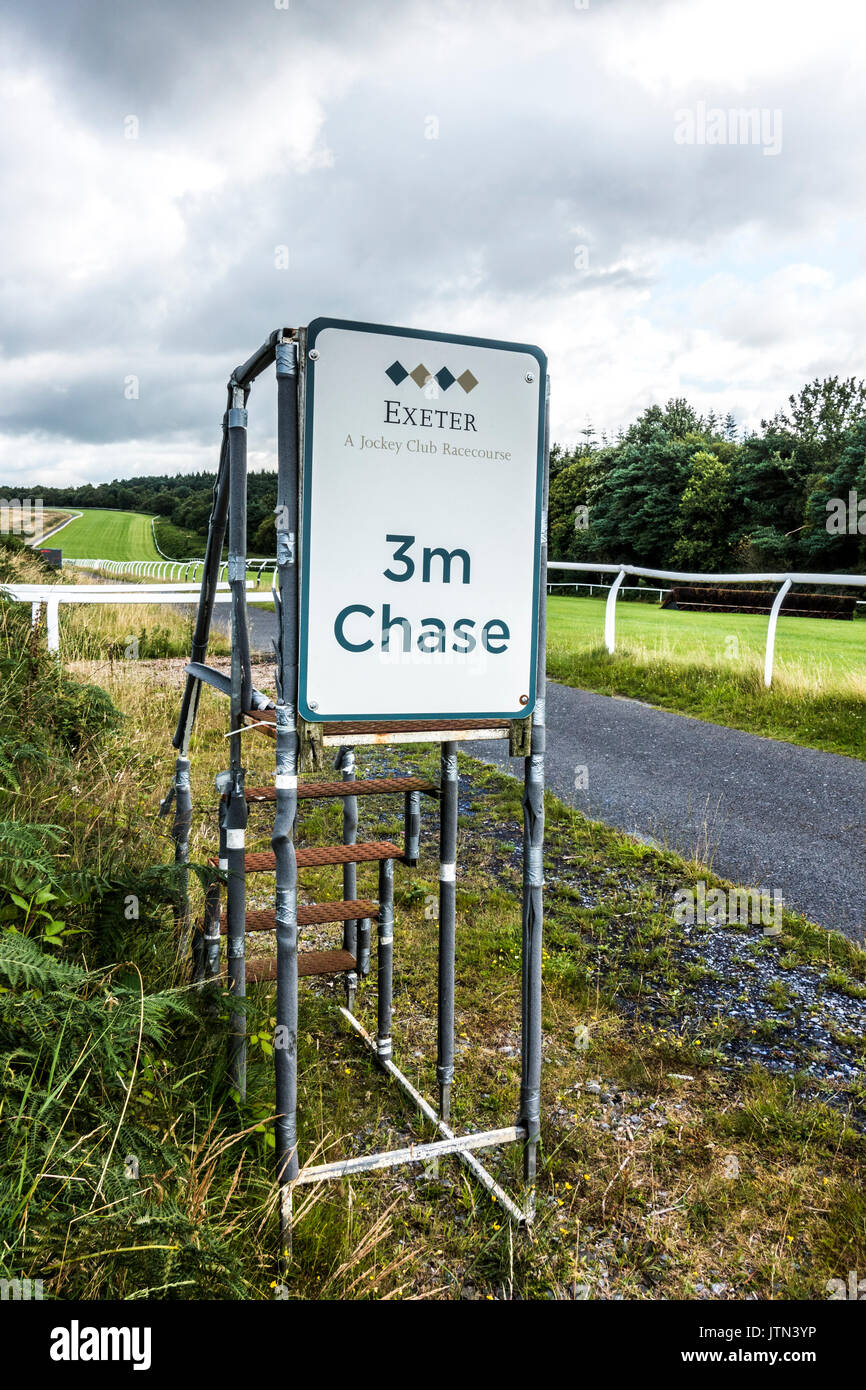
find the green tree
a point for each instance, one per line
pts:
(705, 514)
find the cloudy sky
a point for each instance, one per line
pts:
(179, 177)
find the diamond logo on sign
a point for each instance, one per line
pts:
(437, 500)
(398, 374)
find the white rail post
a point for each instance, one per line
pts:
(771, 633)
(610, 613)
(53, 624)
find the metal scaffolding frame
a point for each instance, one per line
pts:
(299, 746)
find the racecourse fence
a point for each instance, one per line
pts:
(178, 580)
(785, 581)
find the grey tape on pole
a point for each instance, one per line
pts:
(449, 767)
(532, 1099)
(237, 569)
(237, 418)
(535, 867)
(447, 873)
(286, 359)
(345, 760)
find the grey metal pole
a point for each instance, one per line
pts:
(447, 924)
(236, 809)
(203, 940)
(286, 783)
(210, 573)
(533, 881)
(345, 762)
(385, 959)
(364, 947)
(412, 828)
(241, 379)
(180, 833)
(209, 964)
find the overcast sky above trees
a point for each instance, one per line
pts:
(548, 171)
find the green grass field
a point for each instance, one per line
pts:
(824, 647)
(710, 665)
(107, 535)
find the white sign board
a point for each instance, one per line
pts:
(421, 514)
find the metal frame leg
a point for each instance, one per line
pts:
(364, 934)
(180, 834)
(209, 958)
(236, 915)
(236, 809)
(411, 828)
(210, 933)
(286, 782)
(345, 762)
(533, 882)
(447, 924)
(385, 959)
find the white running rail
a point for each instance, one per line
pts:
(169, 570)
(785, 580)
(178, 579)
(53, 595)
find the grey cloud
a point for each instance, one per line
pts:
(528, 152)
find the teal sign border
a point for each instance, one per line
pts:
(313, 331)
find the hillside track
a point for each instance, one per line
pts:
(109, 535)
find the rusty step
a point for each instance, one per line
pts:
(311, 914)
(265, 722)
(262, 968)
(374, 786)
(316, 856)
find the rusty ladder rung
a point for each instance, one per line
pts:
(374, 786)
(317, 856)
(311, 914)
(263, 968)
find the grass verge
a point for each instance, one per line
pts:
(687, 1154)
(703, 1102)
(710, 666)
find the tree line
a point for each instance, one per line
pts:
(182, 503)
(676, 490)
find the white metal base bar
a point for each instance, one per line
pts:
(418, 736)
(486, 1179)
(415, 1153)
